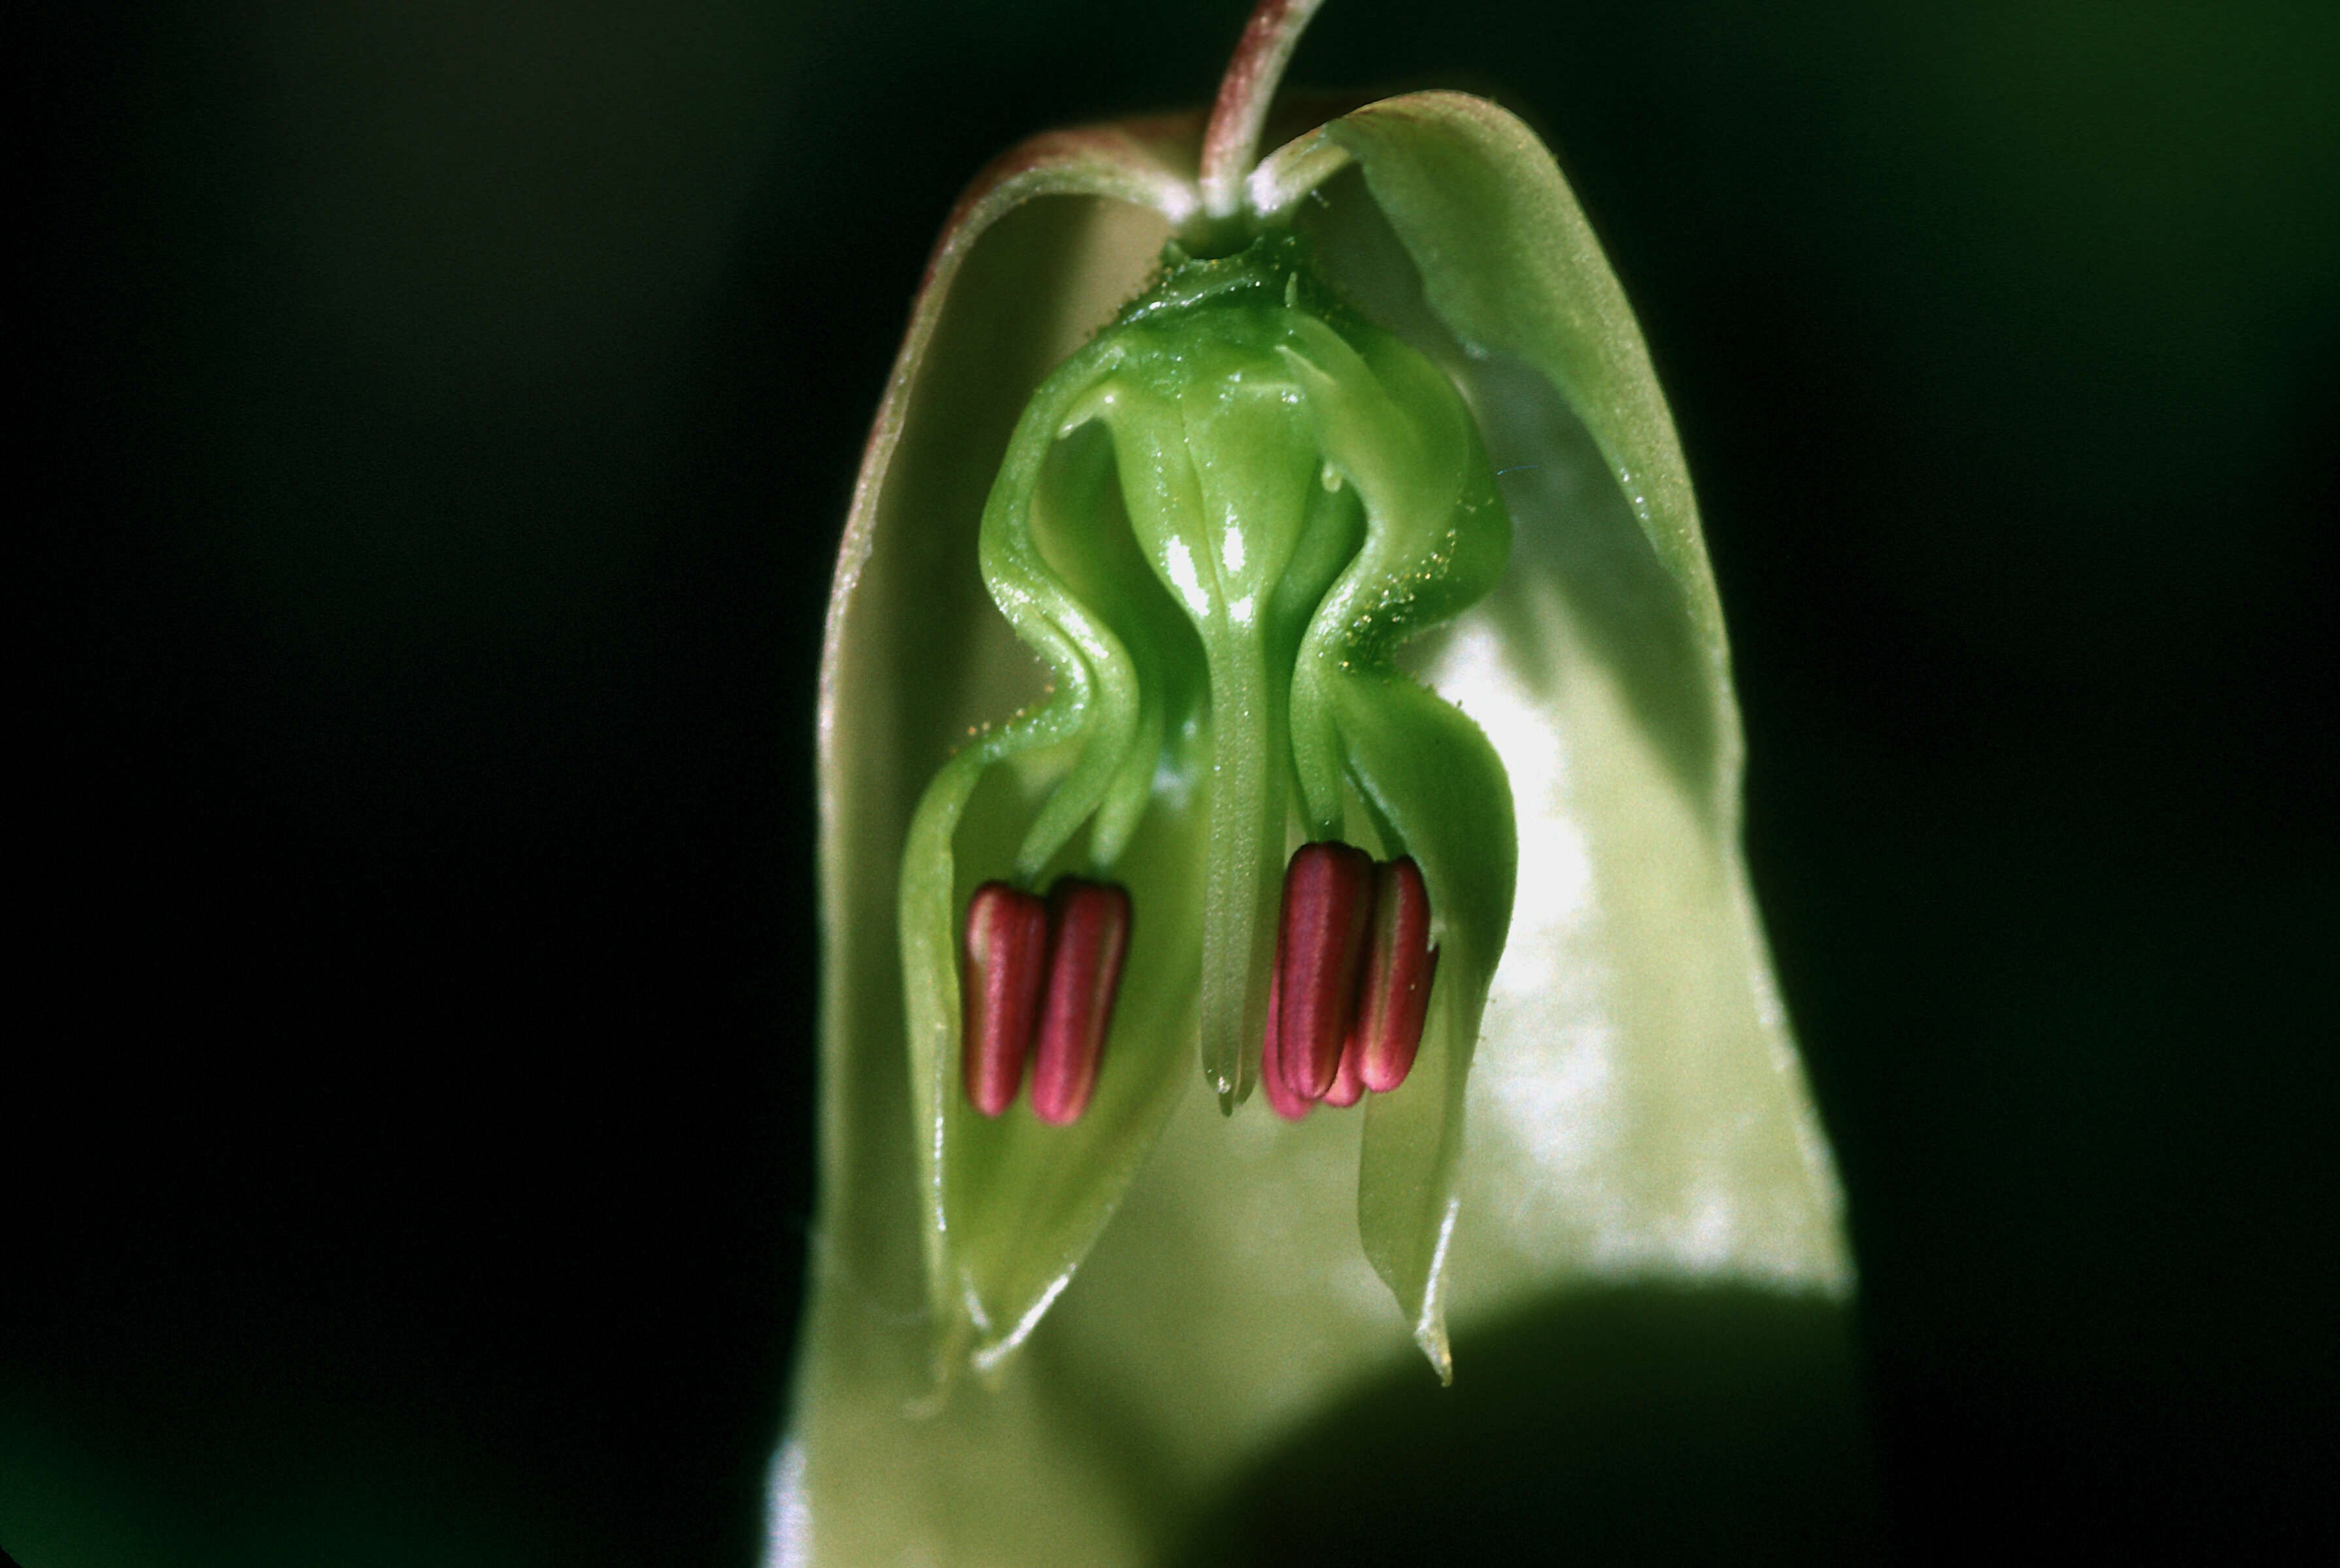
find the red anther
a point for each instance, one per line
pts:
(1088, 933)
(1348, 1087)
(999, 991)
(1400, 964)
(1328, 892)
(1280, 1098)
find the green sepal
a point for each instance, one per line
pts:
(1632, 1029)
(1440, 794)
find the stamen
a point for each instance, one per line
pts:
(1327, 898)
(1400, 964)
(1006, 957)
(1088, 935)
(1280, 1098)
(1348, 1087)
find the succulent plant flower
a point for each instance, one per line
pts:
(1279, 838)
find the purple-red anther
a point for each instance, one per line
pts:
(1354, 962)
(1007, 959)
(1089, 936)
(1327, 902)
(1280, 1098)
(1400, 964)
(1348, 1087)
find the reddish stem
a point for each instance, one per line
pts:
(1230, 144)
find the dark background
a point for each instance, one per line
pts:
(441, 416)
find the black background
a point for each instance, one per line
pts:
(440, 421)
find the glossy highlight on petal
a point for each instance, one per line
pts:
(1088, 937)
(1006, 959)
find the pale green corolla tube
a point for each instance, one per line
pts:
(1218, 504)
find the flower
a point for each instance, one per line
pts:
(1186, 1282)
